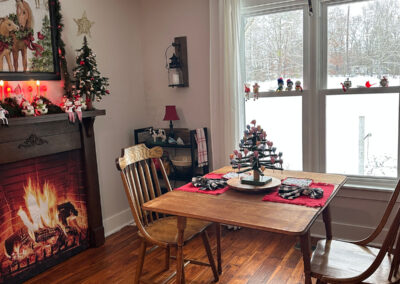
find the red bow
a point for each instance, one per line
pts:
(33, 46)
(3, 46)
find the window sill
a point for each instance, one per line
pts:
(363, 91)
(270, 94)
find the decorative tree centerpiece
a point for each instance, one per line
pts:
(87, 79)
(256, 154)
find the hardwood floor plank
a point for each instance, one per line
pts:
(248, 256)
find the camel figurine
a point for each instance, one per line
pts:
(3, 117)
(6, 28)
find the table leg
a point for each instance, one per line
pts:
(219, 258)
(305, 242)
(179, 252)
(326, 216)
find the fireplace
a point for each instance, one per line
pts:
(49, 195)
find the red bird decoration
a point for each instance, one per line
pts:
(369, 85)
(246, 89)
(40, 36)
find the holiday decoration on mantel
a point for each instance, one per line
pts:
(84, 25)
(3, 118)
(256, 153)
(87, 79)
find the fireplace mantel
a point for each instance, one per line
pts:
(51, 117)
(32, 137)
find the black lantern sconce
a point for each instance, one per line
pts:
(178, 75)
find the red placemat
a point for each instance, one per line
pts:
(190, 188)
(304, 200)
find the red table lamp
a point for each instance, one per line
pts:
(170, 114)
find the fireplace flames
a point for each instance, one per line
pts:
(50, 226)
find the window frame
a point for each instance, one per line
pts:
(315, 71)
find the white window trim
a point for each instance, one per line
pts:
(315, 91)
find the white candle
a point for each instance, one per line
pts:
(38, 88)
(175, 79)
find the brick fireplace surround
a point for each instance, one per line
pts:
(48, 149)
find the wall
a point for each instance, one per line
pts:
(116, 42)
(162, 21)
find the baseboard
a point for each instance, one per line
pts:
(116, 222)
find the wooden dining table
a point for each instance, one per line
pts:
(248, 210)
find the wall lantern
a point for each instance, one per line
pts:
(178, 66)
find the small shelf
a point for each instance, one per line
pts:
(166, 145)
(142, 135)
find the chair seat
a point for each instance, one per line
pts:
(166, 230)
(338, 260)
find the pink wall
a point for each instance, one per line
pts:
(162, 21)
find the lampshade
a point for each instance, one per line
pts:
(170, 113)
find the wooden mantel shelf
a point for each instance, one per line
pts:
(51, 117)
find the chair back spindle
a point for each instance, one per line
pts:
(141, 183)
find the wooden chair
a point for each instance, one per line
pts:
(356, 262)
(139, 176)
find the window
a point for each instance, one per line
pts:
(282, 124)
(353, 132)
(363, 42)
(273, 49)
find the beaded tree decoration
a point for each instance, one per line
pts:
(256, 154)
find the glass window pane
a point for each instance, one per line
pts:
(274, 48)
(362, 134)
(363, 42)
(281, 118)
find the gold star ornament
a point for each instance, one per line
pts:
(84, 25)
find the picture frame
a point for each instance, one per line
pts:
(28, 40)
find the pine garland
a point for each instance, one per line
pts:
(61, 48)
(7, 40)
(20, 34)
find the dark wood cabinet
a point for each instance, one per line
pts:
(143, 135)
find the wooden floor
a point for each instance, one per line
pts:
(248, 256)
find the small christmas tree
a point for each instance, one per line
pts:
(44, 62)
(87, 79)
(256, 153)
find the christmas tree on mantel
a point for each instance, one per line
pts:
(87, 79)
